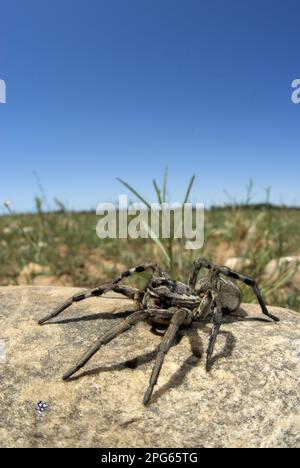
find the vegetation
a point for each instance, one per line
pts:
(62, 248)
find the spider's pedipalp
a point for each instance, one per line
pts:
(204, 307)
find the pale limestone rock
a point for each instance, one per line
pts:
(249, 399)
(286, 264)
(34, 269)
(238, 263)
(28, 229)
(32, 272)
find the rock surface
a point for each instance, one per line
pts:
(238, 263)
(287, 265)
(250, 398)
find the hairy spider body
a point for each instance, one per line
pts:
(172, 304)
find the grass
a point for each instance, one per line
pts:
(166, 246)
(66, 247)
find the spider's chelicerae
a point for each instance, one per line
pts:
(171, 302)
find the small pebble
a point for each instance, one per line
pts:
(41, 407)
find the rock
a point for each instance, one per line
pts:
(34, 269)
(31, 271)
(28, 229)
(283, 264)
(249, 399)
(238, 263)
(257, 225)
(49, 280)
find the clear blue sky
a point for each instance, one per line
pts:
(103, 88)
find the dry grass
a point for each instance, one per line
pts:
(65, 246)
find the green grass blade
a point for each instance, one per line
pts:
(157, 242)
(189, 189)
(165, 184)
(132, 190)
(157, 190)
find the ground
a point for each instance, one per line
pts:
(249, 399)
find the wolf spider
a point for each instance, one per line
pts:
(169, 302)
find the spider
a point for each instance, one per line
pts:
(170, 303)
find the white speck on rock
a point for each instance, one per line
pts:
(296, 350)
(2, 352)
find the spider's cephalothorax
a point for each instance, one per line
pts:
(172, 303)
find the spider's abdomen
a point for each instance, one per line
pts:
(230, 295)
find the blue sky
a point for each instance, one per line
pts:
(103, 88)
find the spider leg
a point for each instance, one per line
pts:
(202, 263)
(177, 319)
(131, 293)
(139, 269)
(110, 287)
(121, 327)
(197, 265)
(217, 321)
(249, 282)
(205, 307)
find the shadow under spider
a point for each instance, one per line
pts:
(129, 364)
(179, 376)
(177, 379)
(240, 316)
(195, 343)
(100, 315)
